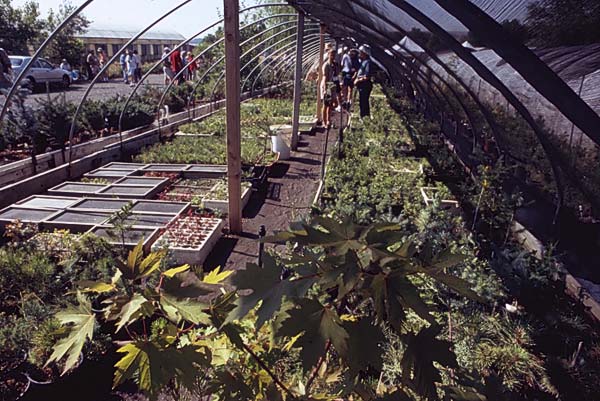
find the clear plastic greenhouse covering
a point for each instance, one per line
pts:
(556, 91)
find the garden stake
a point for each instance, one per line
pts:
(261, 245)
(477, 208)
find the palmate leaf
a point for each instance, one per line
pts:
(81, 322)
(188, 285)
(130, 311)
(216, 276)
(268, 289)
(318, 325)
(364, 346)
(186, 309)
(393, 293)
(422, 350)
(176, 270)
(153, 366)
(138, 266)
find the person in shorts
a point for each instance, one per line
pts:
(330, 87)
(350, 66)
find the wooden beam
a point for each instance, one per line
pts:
(232, 102)
(320, 75)
(298, 81)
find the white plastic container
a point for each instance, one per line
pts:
(280, 146)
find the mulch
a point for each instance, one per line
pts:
(287, 196)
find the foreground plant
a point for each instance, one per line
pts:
(308, 326)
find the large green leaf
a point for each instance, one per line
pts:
(318, 324)
(422, 350)
(80, 321)
(130, 311)
(187, 309)
(364, 346)
(153, 366)
(268, 289)
(393, 293)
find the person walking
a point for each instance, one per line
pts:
(176, 64)
(191, 66)
(330, 87)
(138, 66)
(5, 71)
(131, 61)
(102, 59)
(123, 64)
(167, 72)
(363, 81)
(91, 63)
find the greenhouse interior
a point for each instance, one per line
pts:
(344, 200)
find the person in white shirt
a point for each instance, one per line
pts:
(64, 65)
(132, 65)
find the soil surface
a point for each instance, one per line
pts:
(287, 196)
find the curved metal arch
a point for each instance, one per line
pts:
(253, 58)
(525, 62)
(158, 63)
(482, 108)
(266, 63)
(287, 66)
(110, 61)
(196, 58)
(13, 88)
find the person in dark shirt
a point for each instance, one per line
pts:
(363, 81)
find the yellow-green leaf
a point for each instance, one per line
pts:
(95, 286)
(81, 322)
(129, 310)
(216, 276)
(172, 272)
(134, 361)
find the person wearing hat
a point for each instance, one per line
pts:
(350, 66)
(363, 80)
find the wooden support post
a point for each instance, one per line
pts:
(232, 102)
(298, 81)
(320, 75)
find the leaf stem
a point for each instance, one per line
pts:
(262, 364)
(313, 376)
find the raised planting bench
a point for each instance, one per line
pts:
(82, 214)
(126, 187)
(431, 194)
(131, 237)
(190, 238)
(211, 193)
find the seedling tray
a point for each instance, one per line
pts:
(223, 205)
(124, 166)
(138, 220)
(429, 196)
(191, 245)
(109, 174)
(175, 168)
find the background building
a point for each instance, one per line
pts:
(111, 38)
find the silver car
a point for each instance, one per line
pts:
(40, 72)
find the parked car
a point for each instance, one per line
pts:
(40, 72)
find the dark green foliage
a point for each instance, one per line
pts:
(19, 27)
(564, 22)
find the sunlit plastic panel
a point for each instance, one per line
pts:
(160, 207)
(76, 188)
(148, 220)
(25, 215)
(101, 204)
(129, 191)
(47, 202)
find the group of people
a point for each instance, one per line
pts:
(95, 62)
(177, 61)
(341, 76)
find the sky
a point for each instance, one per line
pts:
(136, 14)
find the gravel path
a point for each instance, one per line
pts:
(101, 91)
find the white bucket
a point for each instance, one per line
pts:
(280, 146)
(281, 129)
